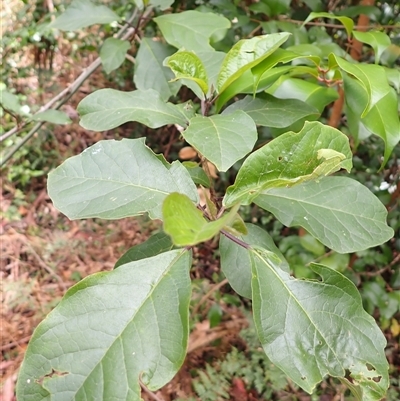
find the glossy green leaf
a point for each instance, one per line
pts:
(269, 111)
(382, 119)
(340, 212)
(116, 179)
(150, 73)
(311, 329)
(110, 330)
(236, 260)
(346, 21)
(113, 53)
(372, 77)
(156, 244)
(222, 139)
(186, 224)
(245, 54)
(379, 41)
(192, 30)
(52, 116)
(187, 65)
(393, 77)
(82, 13)
(109, 108)
(314, 152)
(308, 92)
(245, 84)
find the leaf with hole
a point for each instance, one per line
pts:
(290, 159)
(110, 330)
(325, 330)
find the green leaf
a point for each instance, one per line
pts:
(347, 22)
(310, 329)
(309, 92)
(192, 30)
(212, 61)
(245, 54)
(186, 65)
(222, 139)
(10, 102)
(112, 53)
(382, 119)
(236, 260)
(108, 108)
(290, 159)
(372, 77)
(269, 111)
(82, 13)
(116, 179)
(354, 11)
(150, 72)
(156, 244)
(340, 212)
(186, 224)
(197, 174)
(379, 41)
(111, 329)
(52, 116)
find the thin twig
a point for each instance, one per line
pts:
(214, 288)
(380, 271)
(15, 343)
(235, 239)
(124, 33)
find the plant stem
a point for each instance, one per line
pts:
(124, 33)
(235, 239)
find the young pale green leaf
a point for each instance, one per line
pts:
(269, 111)
(109, 108)
(382, 120)
(186, 224)
(116, 179)
(393, 77)
(311, 93)
(187, 65)
(245, 54)
(113, 52)
(156, 244)
(314, 152)
(347, 22)
(192, 30)
(150, 72)
(245, 84)
(222, 139)
(82, 13)
(311, 329)
(340, 212)
(236, 259)
(110, 330)
(379, 41)
(281, 56)
(52, 116)
(372, 77)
